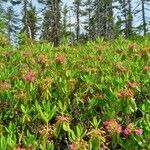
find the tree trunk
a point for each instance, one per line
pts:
(25, 17)
(110, 22)
(143, 17)
(56, 27)
(129, 18)
(77, 20)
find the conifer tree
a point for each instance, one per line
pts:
(127, 17)
(32, 21)
(12, 24)
(51, 23)
(144, 11)
(103, 18)
(2, 10)
(88, 13)
(77, 10)
(65, 22)
(24, 4)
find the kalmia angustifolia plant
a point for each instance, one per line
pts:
(88, 96)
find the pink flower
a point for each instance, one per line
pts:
(61, 59)
(30, 77)
(126, 93)
(4, 86)
(132, 46)
(121, 94)
(138, 131)
(20, 148)
(71, 147)
(105, 123)
(112, 126)
(127, 132)
(7, 85)
(129, 129)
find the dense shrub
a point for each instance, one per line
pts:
(92, 96)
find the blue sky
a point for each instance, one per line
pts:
(68, 2)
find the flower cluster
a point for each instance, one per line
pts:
(119, 68)
(112, 126)
(127, 93)
(133, 46)
(63, 119)
(23, 70)
(30, 77)
(61, 59)
(72, 147)
(97, 133)
(132, 129)
(27, 54)
(90, 70)
(133, 84)
(45, 83)
(21, 95)
(147, 68)
(138, 131)
(46, 131)
(42, 59)
(20, 148)
(4, 86)
(78, 145)
(128, 130)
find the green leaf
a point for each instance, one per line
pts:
(72, 135)
(66, 127)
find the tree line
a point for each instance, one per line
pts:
(53, 22)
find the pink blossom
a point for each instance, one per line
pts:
(121, 94)
(126, 93)
(105, 123)
(119, 129)
(71, 147)
(30, 77)
(61, 59)
(7, 85)
(127, 132)
(132, 46)
(112, 126)
(20, 148)
(129, 129)
(138, 131)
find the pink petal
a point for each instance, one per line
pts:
(138, 131)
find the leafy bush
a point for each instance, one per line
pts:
(92, 96)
